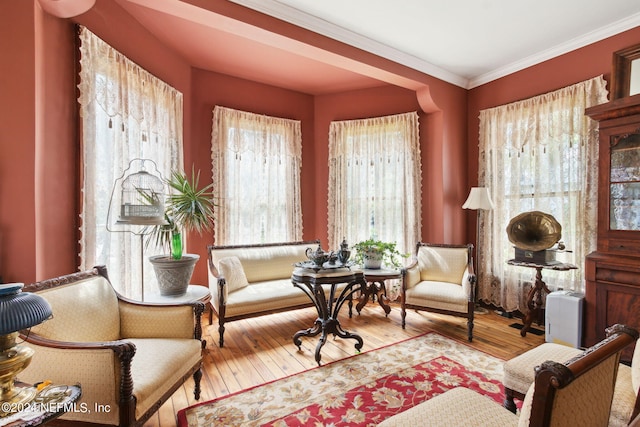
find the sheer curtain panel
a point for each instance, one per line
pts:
(375, 180)
(538, 154)
(126, 113)
(256, 174)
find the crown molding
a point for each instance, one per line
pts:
(602, 33)
(325, 28)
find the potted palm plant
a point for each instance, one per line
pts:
(188, 208)
(373, 253)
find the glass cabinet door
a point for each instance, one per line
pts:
(624, 181)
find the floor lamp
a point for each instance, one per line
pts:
(479, 199)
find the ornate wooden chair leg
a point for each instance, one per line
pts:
(221, 332)
(508, 400)
(197, 376)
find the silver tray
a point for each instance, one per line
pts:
(310, 265)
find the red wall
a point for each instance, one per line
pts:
(17, 141)
(39, 163)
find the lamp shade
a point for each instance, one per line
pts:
(479, 198)
(21, 310)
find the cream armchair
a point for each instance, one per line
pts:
(128, 357)
(576, 393)
(440, 280)
(519, 373)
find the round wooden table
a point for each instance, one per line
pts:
(311, 282)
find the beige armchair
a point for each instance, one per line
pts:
(519, 373)
(576, 393)
(440, 280)
(128, 357)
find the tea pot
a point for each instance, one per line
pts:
(344, 253)
(319, 257)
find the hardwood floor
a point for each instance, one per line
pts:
(259, 350)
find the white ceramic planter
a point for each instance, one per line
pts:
(174, 275)
(372, 260)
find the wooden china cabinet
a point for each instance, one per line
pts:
(612, 291)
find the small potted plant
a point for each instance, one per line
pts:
(372, 254)
(187, 208)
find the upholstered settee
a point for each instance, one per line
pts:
(128, 357)
(254, 280)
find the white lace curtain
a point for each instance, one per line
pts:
(538, 154)
(375, 180)
(256, 175)
(126, 114)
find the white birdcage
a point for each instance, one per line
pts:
(141, 196)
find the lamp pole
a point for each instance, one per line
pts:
(478, 199)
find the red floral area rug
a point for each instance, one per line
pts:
(361, 390)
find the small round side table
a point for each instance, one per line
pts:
(194, 293)
(375, 287)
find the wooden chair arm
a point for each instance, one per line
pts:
(412, 264)
(118, 347)
(407, 272)
(223, 291)
(212, 267)
(469, 284)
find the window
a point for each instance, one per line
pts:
(374, 180)
(126, 114)
(538, 154)
(256, 169)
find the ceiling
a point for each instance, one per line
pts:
(464, 42)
